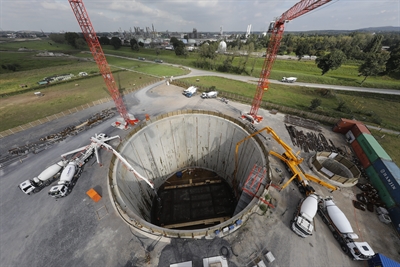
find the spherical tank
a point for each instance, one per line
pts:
(222, 47)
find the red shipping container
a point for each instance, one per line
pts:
(362, 157)
(343, 126)
(358, 129)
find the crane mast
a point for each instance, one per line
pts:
(91, 38)
(276, 29)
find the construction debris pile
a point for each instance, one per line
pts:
(308, 124)
(310, 141)
(369, 197)
(20, 152)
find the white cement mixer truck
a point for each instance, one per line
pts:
(302, 223)
(45, 178)
(342, 230)
(68, 178)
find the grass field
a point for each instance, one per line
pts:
(359, 106)
(23, 108)
(59, 97)
(305, 70)
(33, 69)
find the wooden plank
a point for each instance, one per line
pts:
(205, 222)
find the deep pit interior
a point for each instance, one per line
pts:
(190, 158)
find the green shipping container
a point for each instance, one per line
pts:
(383, 193)
(372, 148)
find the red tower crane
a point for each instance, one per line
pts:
(276, 29)
(91, 38)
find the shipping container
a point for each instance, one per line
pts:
(344, 125)
(394, 213)
(372, 148)
(358, 129)
(380, 260)
(389, 173)
(383, 193)
(360, 154)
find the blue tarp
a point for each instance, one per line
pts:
(380, 260)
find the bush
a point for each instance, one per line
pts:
(263, 208)
(316, 102)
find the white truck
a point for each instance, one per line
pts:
(302, 223)
(289, 79)
(45, 178)
(342, 230)
(190, 91)
(74, 169)
(68, 178)
(212, 94)
(72, 172)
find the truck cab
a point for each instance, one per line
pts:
(360, 250)
(58, 191)
(302, 223)
(27, 187)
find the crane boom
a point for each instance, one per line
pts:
(91, 38)
(276, 29)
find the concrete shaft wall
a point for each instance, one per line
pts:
(159, 148)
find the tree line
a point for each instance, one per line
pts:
(331, 51)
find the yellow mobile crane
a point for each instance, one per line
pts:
(292, 162)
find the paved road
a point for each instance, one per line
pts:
(197, 72)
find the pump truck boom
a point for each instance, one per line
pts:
(276, 29)
(123, 160)
(292, 162)
(342, 231)
(74, 169)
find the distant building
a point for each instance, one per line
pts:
(193, 35)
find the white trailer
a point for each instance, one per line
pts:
(289, 79)
(302, 223)
(190, 91)
(45, 178)
(212, 94)
(187, 90)
(342, 230)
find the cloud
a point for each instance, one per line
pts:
(54, 5)
(205, 15)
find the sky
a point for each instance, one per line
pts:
(204, 15)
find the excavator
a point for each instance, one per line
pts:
(292, 162)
